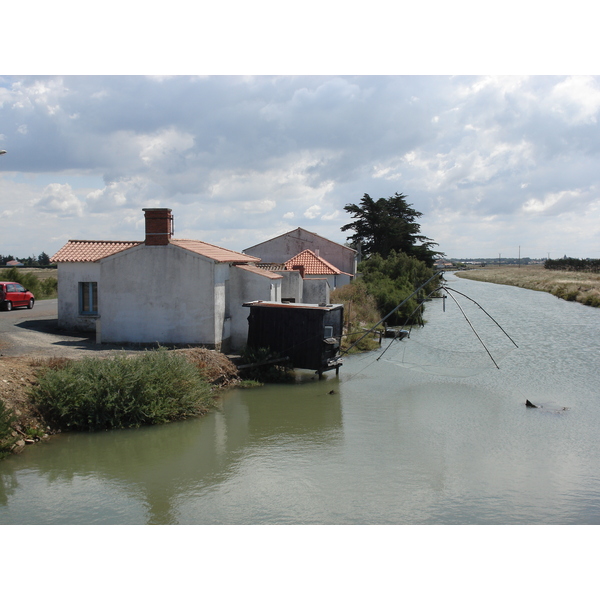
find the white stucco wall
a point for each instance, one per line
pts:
(69, 275)
(316, 290)
(245, 287)
(291, 285)
(162, 294)
(281, 249)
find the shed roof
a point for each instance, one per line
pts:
(292, 305)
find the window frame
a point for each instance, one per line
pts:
(91, 296)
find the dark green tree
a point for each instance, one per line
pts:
(43, 259)
(383, 225)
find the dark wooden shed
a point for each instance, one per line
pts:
(308, 334)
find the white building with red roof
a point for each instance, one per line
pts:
(162, 290)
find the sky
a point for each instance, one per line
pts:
(498, 164)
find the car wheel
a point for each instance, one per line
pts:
(31, 303)
(9, 306)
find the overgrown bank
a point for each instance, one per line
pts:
(41, 397)
(385, 283)
(569, 285)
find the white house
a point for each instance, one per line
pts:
(165, 290)
(282, 248)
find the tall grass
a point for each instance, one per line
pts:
(6, 419)
(573, 286)
(360, 313)
(157, 386)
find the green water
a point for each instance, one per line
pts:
(408, 439)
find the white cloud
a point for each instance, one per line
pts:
(258, 206)
(312, 212)
(576, 99)
(59, 198)
(236, 157)
(551, 201)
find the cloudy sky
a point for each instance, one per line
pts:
(494, 162)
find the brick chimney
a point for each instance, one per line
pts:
(159, 226)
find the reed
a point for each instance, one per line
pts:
(569, 285)
(157, 386)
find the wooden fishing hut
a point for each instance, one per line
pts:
(308, 334)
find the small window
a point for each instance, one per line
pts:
(88, 298)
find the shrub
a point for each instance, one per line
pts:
(6, 420)
(360, 313)
(393, 279)
(47, 288)
(93, 394)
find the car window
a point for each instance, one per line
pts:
(10, 287)
(19, 288)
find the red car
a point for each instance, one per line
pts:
(13, 294)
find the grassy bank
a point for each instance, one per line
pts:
(568, 285)
(40, 397)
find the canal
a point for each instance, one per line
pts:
(431, 433)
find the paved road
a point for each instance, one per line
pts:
(34, 332)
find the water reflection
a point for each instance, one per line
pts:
(391, 444)
(156, 466)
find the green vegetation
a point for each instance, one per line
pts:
(41, 289)
(95, 394)
(571, 285)
(393, 279)
(398, 260)
(385, 226)
(581, 265)
(6, 419)
(360, 314)
(43, 260)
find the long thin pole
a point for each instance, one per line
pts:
(473, 328)
(391, 313)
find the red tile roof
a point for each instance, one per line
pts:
(313, 264)
(89, 251)
(259, 271)
(215, 252)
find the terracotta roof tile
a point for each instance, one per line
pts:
(313, 264)
(259, 271)
(271, 266)
(215, 252)
(89, 251)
